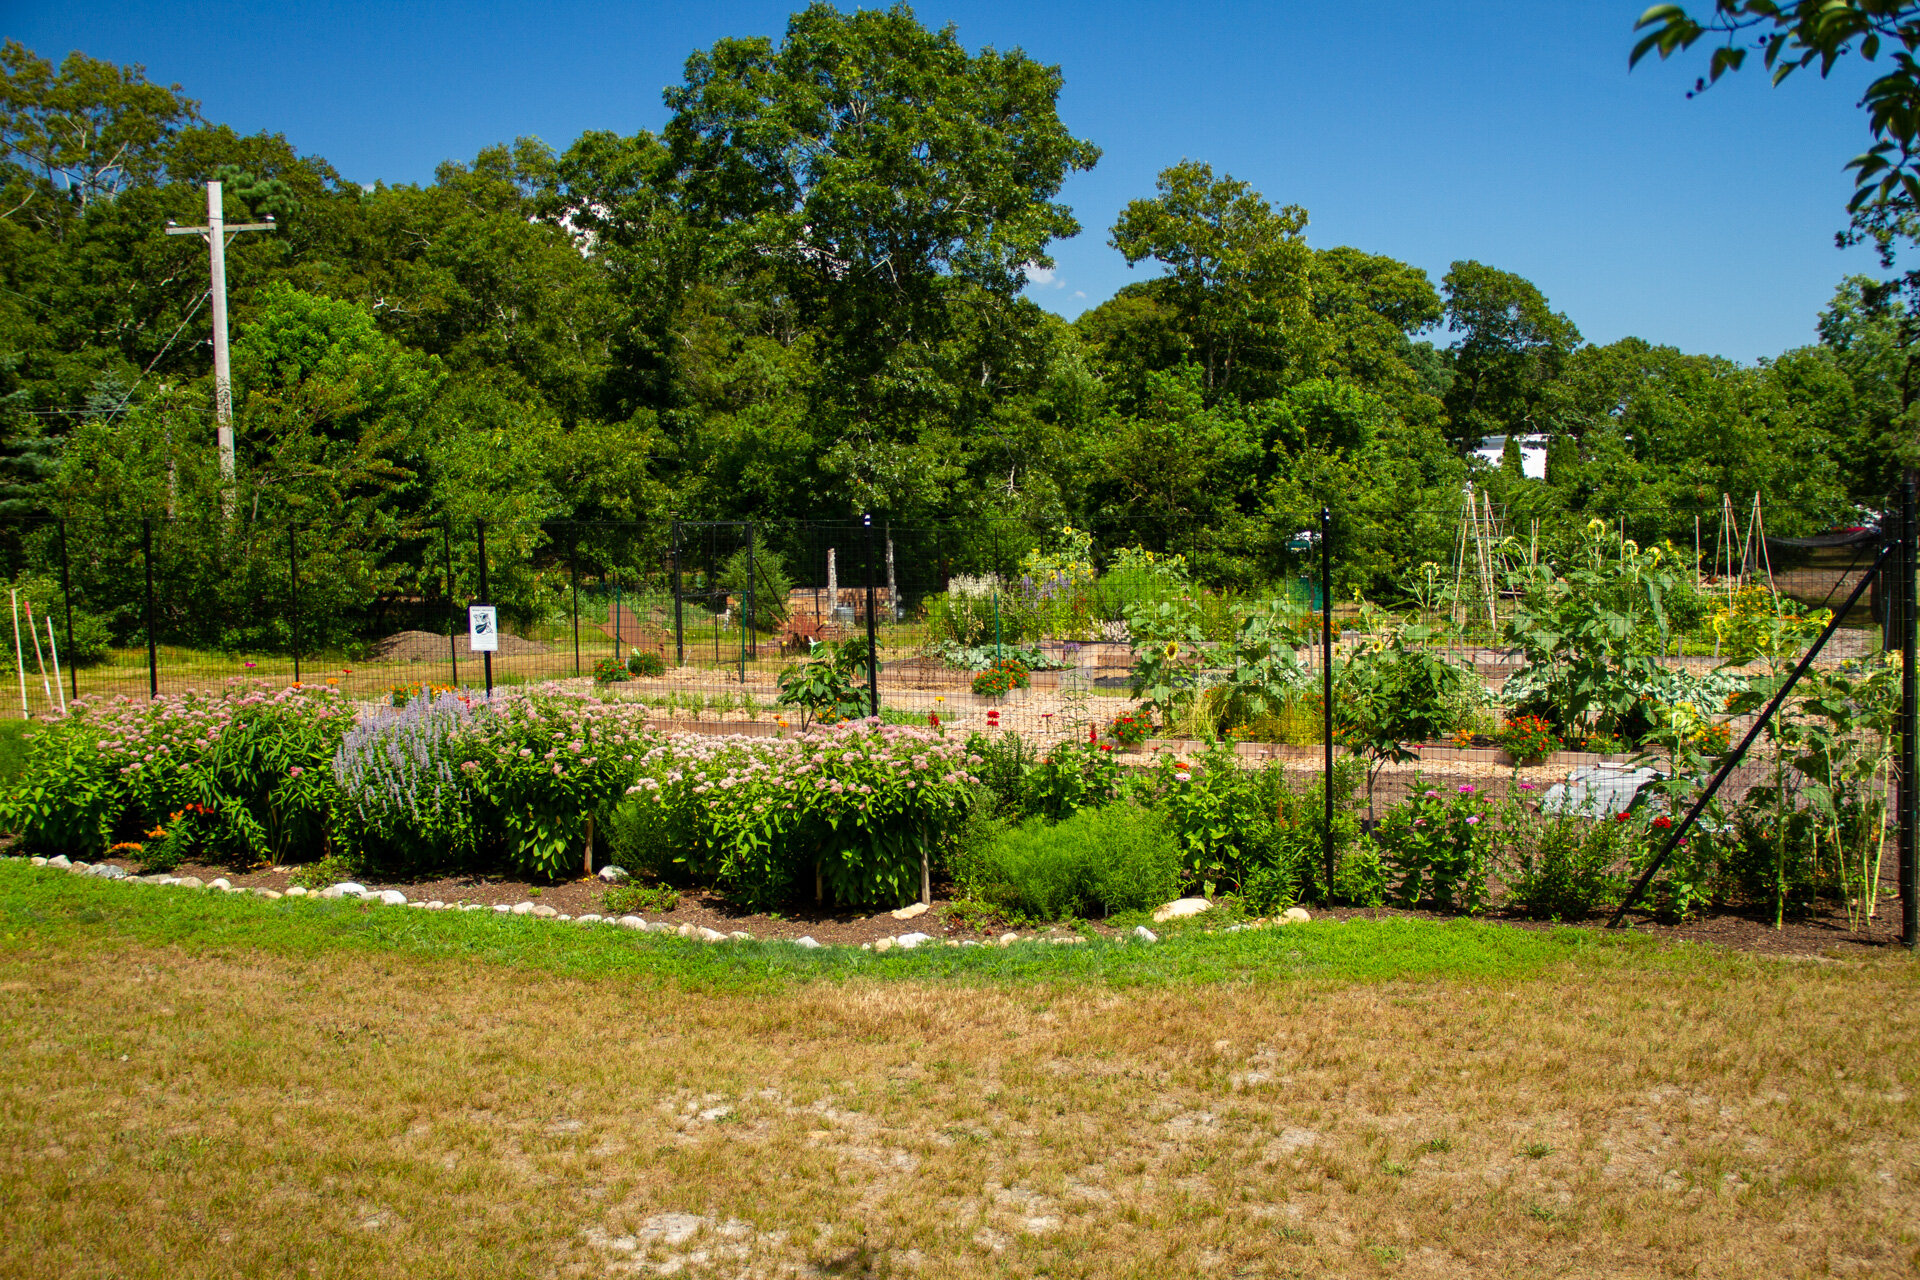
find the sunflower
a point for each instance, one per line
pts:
(1173, 650)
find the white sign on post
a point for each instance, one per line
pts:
(483, 628)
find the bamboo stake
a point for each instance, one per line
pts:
(54, 648)
(19, 660)
(39, 658)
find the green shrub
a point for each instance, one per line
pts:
(1359, 878)
(326, 872)
(828, 685)
(1562, 867)
(639, 837)
(635, 896)
(646, 662)
(13, 749)
(1270, 888)
(1116, 858)
(1438, 845)
(765, 571)
(1024, 784)
(1230, 822)
(610, 671)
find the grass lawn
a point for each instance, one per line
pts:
(209, 1085)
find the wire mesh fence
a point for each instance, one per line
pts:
(699, 619)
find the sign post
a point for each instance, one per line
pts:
(483, 635)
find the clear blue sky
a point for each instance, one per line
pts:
(1506, 130)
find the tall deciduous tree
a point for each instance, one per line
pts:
(1238, 268)
(880, 171)
(1511, 346)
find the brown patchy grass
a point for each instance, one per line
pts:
(172, 1114)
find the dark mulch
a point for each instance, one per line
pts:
(1823, 932)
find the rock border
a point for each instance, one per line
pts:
(539, 911)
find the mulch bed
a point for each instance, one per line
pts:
(1821, 933)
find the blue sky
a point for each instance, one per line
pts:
(1504, 130)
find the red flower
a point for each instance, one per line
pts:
(1623, 816)
(1106, 746)
(933, 719)
(1663, 822)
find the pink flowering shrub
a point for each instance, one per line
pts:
(858, 804)
(1439, 846)
(253, 755)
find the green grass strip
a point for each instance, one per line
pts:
(45, 909)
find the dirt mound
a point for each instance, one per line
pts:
(425, 646)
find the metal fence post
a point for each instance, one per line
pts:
(453, 628)
(573, 577)
(293, 592)
(1326, 686)
(1909, 564)
(747, 616)
(486, 655)
(679, 616)
(873, 644)
(66, 592)
(153, 654)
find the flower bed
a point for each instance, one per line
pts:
(458, 781)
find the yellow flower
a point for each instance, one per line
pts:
(1173, 649)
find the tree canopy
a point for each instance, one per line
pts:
(803, 298)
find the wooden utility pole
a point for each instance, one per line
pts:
(215, 234)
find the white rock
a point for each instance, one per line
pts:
(393, 898)
(268, 893)
(588, 919)
(189, 882)
(1180, 909)
(435, 905)
(614, 875)
(220, 882)
(908, 913)
(295, 891)
(709, 935)
(1145, 934)
(806, 940)
(58, 860)
(1008, 939)
(739, 936)
(908, 941)
(883, 944)
(632, 922)
(502, 908)
(37, 860)
(521, 908)
(79, 866)
(1295, 915)
(563, 916)
(107, 871)
(344, 889)
(543, 911)
(473, 906)
(1065, 942)
(660, 926)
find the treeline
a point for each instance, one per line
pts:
(803, 298)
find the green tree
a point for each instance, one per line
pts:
(879, 173)
(1238, 269)
(83, 133)
(1511, 346)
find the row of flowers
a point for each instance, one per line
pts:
(454, 778)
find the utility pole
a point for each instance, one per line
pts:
(215, 233)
